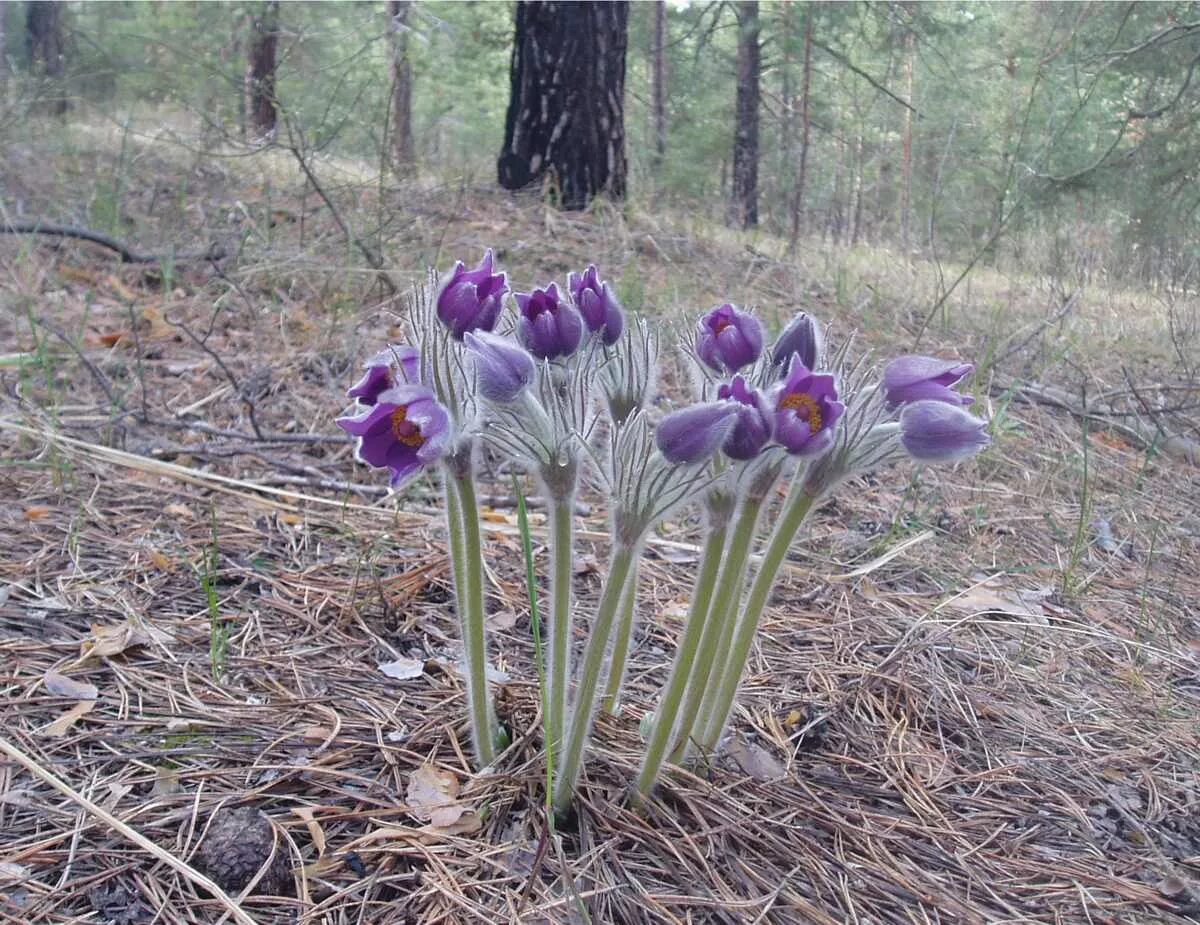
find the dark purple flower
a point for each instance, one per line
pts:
(595, 300)
(806, 411)
(502, 368)
(802, 338)
(695, 433)
(549, 326)
(937, 432)
(728, 338)
(752, 428)
(394, 365)
(405, 430)
(917, 378)
(471, 299)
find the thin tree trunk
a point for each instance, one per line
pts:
(744, 204)
(805, 129)
(46, 46)
(906, 170)
(658, 91)
(5, 9)
(566, 115)
(261, 109)
(859, 169)
(787, 94)
(403, 157)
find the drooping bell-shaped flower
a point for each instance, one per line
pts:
(596, 302)
(806, 410)
(938, 432)
(396, 364)
(471, 300)
(728, 338)
(802, 337)
(695, 433)
(549, 326)
(752, 427)
(502, 368)
(405, 430)
(918, 378)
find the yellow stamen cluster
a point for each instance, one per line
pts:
(409, 435)
(805, 406)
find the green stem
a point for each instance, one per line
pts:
(616, 669)
(724, 608)
(796, 509)
(467, 550)
(685, 658)
(589, 678)
(562, 552)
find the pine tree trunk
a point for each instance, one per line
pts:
(659, 88)
(744, 204)
(261, 111)
(46, 46)
(805, 128)
(906, 161)
(403, 157)
(5, 9)
(566, 115)
(859, 170)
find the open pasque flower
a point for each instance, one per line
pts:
(395, 365)
(405, 430)
(471, 299)
(918, 378)
(549, 326)
(595, 300)
(807, 410)
(728, 338)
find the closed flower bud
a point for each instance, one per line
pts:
(395, 365)
(502, 368)
(728, 338)
(549, 326)
(752, 424)
(918, 378)
(471, 299)
(937, 432)
(597, 304)
(695, 433)
(802, 338)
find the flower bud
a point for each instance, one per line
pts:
(596, 303)
(937, 432)
(503, 369)
(695, 433)
(752, 424)
(471, 299)
(806, 410)
(802, 337)
(395, 365)
(918, 378)
(728, 338)
(549, 325)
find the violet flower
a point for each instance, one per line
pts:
(503, 370)
(806, 410)
(695, 433)
(937, 432)
(405, 430)
(596, 303)
(802, 337)
(549, 325)
(471, 299)
(918, 378)
(396, 364)
(728, 338)
(752, 426)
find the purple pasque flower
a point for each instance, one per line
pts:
(471, 300)
(752, 427)
(807, 410)
(802, 337)
(728, 338)
(595, 300)
(918, 378)
(394, 365)
(693, 434)
(405, 431)
(549, 326)
(502, 369)
(937, 432)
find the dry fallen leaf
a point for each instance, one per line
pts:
(112, 640)
(179, 510)
(62, 686)
(315, 832)
(432, 796)
(36, 513)
(988, 598)
(465, 823)
(502, 620)
(403, 669)
(754, 760)
(161, 561)
(59, 727)
(10, 871)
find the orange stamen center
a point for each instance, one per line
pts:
(805, 406)
(405, 430)
(721, 325)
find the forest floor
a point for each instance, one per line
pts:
(975, 698)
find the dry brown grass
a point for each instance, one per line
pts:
(997, 724)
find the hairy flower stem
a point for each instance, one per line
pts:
(562, 553)
(589, 677)
(620, 654)
(728, 591)
(796, 509)
(685, 658)
(466, 551)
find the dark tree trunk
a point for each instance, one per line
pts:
(805, 128)
(659, 89)
(906, 162)
(744, 206)
(5, 9)
(46, 45)
(566, 115)
(261, 111)
(403, 157)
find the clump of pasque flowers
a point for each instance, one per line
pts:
(562, 382)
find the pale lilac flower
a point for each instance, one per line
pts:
(938, 432)
(596, 302)
(806, 411)
(405, 431)
(752, 428)
(502, 368)
(471, 299)
(728, 338)
(549, 326)
(395, 365)
(695, 433)
(918, 378)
